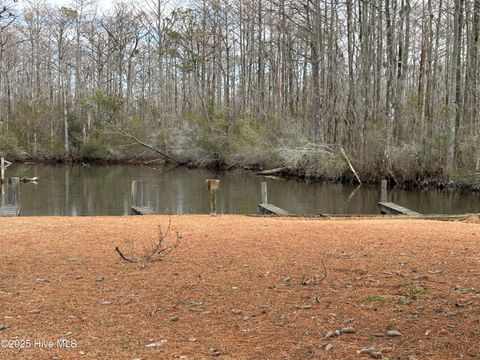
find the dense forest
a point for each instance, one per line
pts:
(247, 83)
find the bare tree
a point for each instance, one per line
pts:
(395, 82)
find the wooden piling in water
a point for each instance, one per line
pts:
(4, 164)
(213, 185)
(13, 191)
(2, 182)
(383, 191)
(138, 193)
(263, 189)
(2, 170)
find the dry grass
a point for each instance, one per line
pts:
(241, 288)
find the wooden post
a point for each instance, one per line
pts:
(263, 188)
(383, 191)
(213, 185)
(4, 164)
(2, 170)
(138, 195)
(13, 196)
(2, 180)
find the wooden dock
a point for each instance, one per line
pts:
(10, 204)
(272, 210)
(9, 210)
(394, 209)
(139, 206)
(142, 210)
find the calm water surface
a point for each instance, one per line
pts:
(106, 190)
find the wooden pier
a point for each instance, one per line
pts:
(10, 206)
(138, 200)
(391, 208)
(141, 210)
(269, 209)
(9, 210)
(266, 208)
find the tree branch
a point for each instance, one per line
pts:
(140, 142)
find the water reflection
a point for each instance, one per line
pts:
(106, 190)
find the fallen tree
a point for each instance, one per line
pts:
(142, 143)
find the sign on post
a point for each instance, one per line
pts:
(3, 166)
(213, 185)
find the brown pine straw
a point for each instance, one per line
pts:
(241, 287)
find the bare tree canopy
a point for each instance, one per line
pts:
(393, 82)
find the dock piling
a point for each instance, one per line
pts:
(138, 195)
(13, 192)
(383, 191)
(4, 164)
(2, 169)
(263, 189)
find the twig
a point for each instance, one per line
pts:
(124, 257)
(188, 289)
(158, 248)
(324, 272)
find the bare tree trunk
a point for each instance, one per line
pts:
(65, 118)
(455, 88)
(350, 117)
(391, 67)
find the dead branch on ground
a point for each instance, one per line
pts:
(316, 279)
(159, 249)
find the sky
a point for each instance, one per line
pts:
(102, 4)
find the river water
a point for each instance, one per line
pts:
(106, 190)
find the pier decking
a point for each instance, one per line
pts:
(395, 209)
(9, 210)
(271, 210)
(142, 210)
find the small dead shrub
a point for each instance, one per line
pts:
(157, 251)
